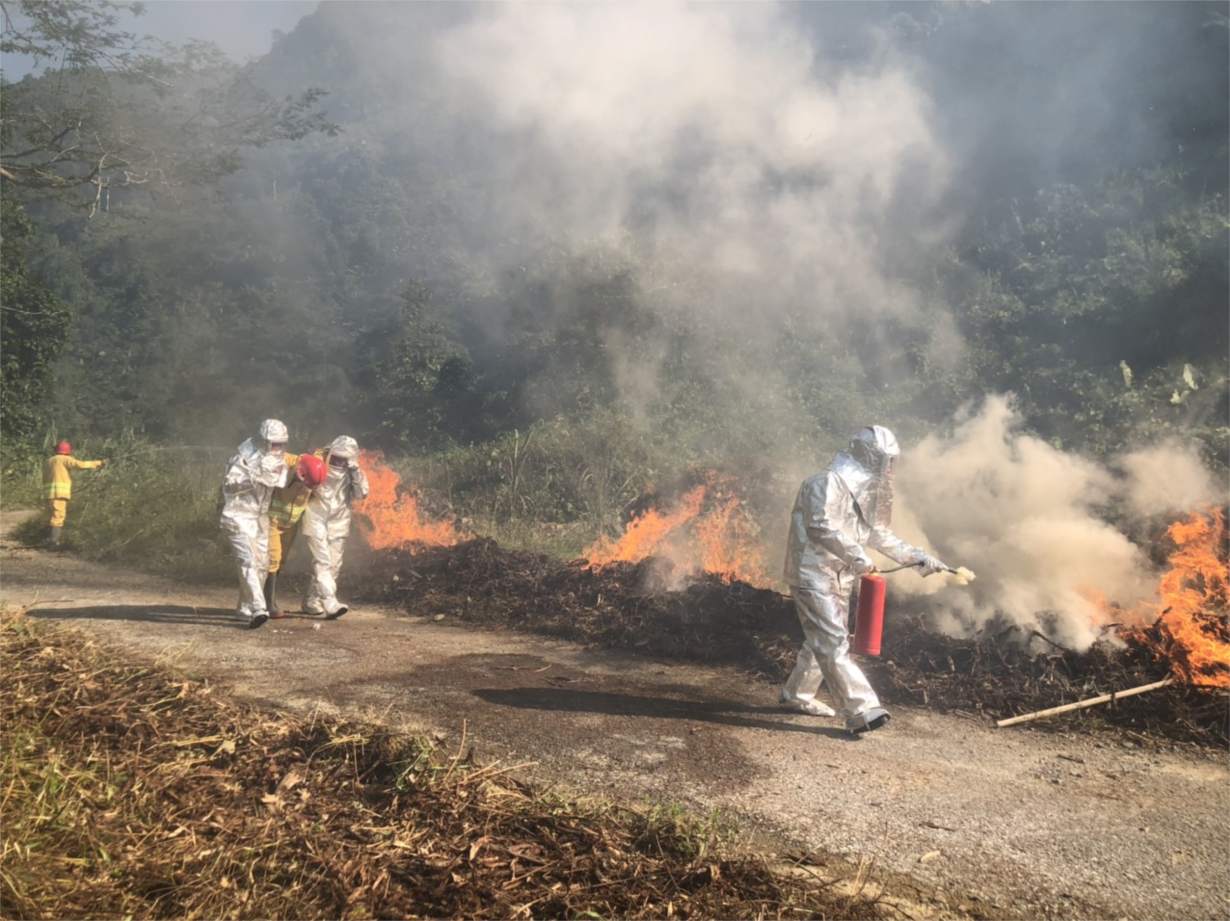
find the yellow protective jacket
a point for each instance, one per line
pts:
(290, 500)
(57, 481)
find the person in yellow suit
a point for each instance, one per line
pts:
(285, 514)
(58, 487)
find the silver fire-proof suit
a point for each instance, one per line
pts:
(326, 524)
(251, 476)
(839, 512)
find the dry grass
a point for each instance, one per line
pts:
(131, 793)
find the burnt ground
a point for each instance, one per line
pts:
(1000, 672)
(646, 695)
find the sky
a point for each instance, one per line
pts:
(241, 28)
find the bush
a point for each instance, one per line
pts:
(152, 508)
(21, 477)
(564, 471)
(565, 482)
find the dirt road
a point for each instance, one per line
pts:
(959, 819)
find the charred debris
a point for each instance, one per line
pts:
(999, 672)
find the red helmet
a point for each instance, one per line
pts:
(64, 448)
(311, 470)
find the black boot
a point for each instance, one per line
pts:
(271, 584)
(53, 535)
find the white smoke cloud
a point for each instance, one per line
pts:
(715, 132)
(1169, 478)
(1024, 517)
(757, 177)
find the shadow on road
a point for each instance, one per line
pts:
(723, 712)
(147, 613)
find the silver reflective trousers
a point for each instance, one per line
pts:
(825, 655)
(327, 552)
(326, 525)
(249, 539)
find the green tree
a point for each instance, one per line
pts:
(114, 118)
(34, 329)
(126, 112)
(421, 383)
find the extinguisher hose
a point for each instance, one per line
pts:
(906, 566)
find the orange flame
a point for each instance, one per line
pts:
(388, 520)
(720, 539)
(728, 545)
(646, 533)
(1195, 601)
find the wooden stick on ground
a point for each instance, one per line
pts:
(1081, 704)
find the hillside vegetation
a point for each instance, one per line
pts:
(384, 250)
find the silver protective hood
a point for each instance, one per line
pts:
(344, 446)
(251, 476)
(840, 511)
(328, 512)
(271, 432)
(874, 449)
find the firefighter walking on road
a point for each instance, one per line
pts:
(838, 512)
(259, 467)
(285, 516)
(326, 524)
(58, 487)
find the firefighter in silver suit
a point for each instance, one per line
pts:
(259, 467)
(838, 512)
(326, 524)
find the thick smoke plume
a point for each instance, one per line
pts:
(748, 172)
(722, 136)
(1028, 519)
(768, 167)
(715, 135)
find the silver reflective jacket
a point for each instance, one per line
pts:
(251, 477)
(834, 518)
(328, 512)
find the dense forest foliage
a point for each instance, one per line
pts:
(435, 228)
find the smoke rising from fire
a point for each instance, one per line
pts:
(738, 164)
(1167, 478)
(611, 99)
(761, 171)
(1025, 517)
(745, 169)
(717, 135)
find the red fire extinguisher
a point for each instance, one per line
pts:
(870, 617)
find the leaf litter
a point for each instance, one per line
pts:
(130, 792)
(999, 672)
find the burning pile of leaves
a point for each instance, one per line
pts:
(1002, 673)
(647, 606)
(130, 793)
(641, 606)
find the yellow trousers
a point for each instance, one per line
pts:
(281, 539)
(57, 511)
